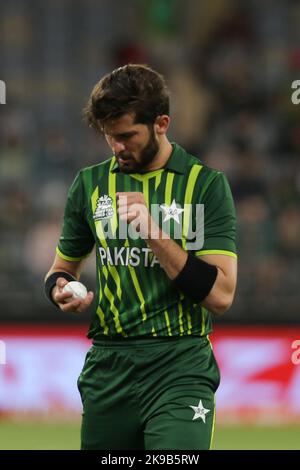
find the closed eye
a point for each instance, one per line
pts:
(125, 135)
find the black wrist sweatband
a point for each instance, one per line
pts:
(50, 283)
(196, 279)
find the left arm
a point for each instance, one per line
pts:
(221, 296)
(172, 258)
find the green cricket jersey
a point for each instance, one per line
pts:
(134, 296)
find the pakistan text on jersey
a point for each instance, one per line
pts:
(128, 256)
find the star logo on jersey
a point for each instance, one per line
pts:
(200, 411)
(171, 212)
(104, 208)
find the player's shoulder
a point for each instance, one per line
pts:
(205, 171)
(209, 180)
(99, 169)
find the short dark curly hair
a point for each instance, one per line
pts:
(133, 88)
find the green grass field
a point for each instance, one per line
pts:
(36, 435)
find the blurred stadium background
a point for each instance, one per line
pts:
(230, 66)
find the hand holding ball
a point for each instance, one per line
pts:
(77, 289)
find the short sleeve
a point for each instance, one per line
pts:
(219, 218)
(76, 240)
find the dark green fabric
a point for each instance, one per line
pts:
(138, 394)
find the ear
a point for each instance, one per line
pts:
(161, 124)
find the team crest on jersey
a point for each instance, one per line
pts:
(104, 208)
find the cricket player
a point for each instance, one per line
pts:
(163, 225)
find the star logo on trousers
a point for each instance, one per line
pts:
(200, 411)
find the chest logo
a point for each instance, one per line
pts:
(104, 208)
(171, 212)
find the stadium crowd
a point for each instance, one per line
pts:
(229, 65)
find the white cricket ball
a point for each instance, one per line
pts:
(77, 289)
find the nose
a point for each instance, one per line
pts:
(118, 147)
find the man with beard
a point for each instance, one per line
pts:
(149, 379)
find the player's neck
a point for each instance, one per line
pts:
(162, 156)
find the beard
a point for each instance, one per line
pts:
(147, 155)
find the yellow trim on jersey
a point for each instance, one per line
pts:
(153, 332)
(146, 176)
(195, 170)
(180, 317)
(168, 322)
(70, 258)
(99, 230)
(189, 322)
(110, 297)
(102, 320)
(168, 189)
(138, 291)
(214, 417)
(109, 269)
(137, 287)
(203, 319)
(146, 192)
(112, 193)
(158, 180)
(216, 252)
(213, 425)
(99, 310)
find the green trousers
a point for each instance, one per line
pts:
(154, 393)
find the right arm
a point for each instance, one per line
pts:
(64, 299)
(76, 242)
